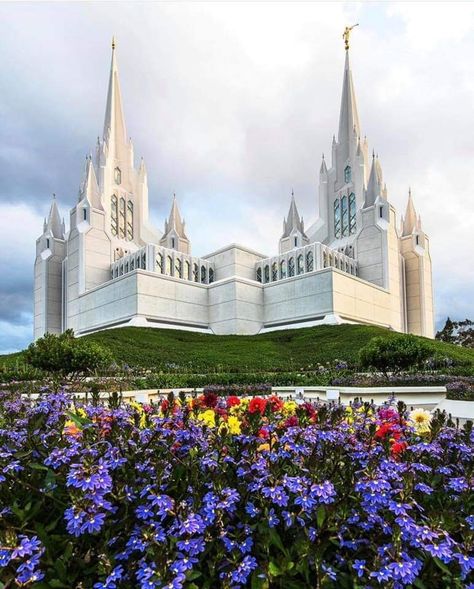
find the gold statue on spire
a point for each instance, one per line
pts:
(346, 34)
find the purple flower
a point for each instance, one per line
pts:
(359, 567)
(243, 570)
(276, 494)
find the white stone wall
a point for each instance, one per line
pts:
(235, 306)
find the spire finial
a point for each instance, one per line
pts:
(373, 154)
(409, 192)
(292, 193)
(113, 43)
(346, 35)
(54, 196)
(323, 155)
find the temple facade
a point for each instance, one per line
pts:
(355, 264)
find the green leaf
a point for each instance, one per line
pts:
(442, 566)
(274, 569)
(276, 541)
(193, 575)
(419, 583)
(37, 466)
(320, 515)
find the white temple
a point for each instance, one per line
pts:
(352, 265)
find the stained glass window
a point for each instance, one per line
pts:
(195, 273)
(309, 261)
(259, 274)
(283, 269)
(344, 216)
(159, 263)
(274, 271)
(291, 267)
(267, 273)
(129, 220)
(337, 218)
(300, 264)
(203, 274)
(114, 215)
(347, 174)
(122, 219)
(352, 213)
(211, 275)
(178, 266)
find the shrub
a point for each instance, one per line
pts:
(394, 354)
(222, 492)
(461, 390)
(64, 354)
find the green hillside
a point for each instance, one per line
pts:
(280, 350)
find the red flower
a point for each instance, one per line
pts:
(257, 404)
(397, 448)
(165, 405)
(210, 400)
(386, 429)
(263, 433)
(232, 401)
(291, 421)
(276, 404)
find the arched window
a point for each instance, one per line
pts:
(122, 218)
(47, 243)
(117, 176)
(309, 261)
(169, 265)
(114, 214)
(259, 274)
(211, 275)
(300, 264)
(296, 241)
(144, 261)
(132, 264)
(344, 216)
(267, 273)
(337, 218)
(159, 263)
(291, 267)
(274, 272)
(126, 267)
(129, 220)
(187, 270)
(325, 260)
(283, 269)
(195, 273)
(347, 174)
(203, 274)
(84, 214)
(173, 245)
(381, 212)
(352, 213)
(178, 266)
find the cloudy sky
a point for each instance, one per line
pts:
(231, 105)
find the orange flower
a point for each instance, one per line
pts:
(71, 429)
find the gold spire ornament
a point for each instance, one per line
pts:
(346, 34)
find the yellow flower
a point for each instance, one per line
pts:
(421, 419)
(80, 411)
(233, 425)
(208, 417)
(289, 408)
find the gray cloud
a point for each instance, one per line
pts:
(231, 104)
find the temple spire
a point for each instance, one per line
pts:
(410, 220)
(373, 185)
(293, 221)
(90, 188)
(114, 124)
(349, 117)
(175, 222)
(53, 224)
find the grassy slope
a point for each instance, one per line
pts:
(280, 350)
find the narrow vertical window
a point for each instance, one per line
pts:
(381, 212)
(159, 263)
(352, 213)
(259, 274)
(300, 264)
(187, 270)
(47, 243)
(173, 244)
(195, 273)
(347, 174)
(178, 268)
(344, 216)
(283, 269)
(267, 273)
(337, 218)
(122, 218)
(309, 261)
(169, 265)
(291, 267)
(130, 220)
(84, 214)
(211, 275)
(274, 272)
(114, 215)
(296, 241)
(203, 274)
(117, 176)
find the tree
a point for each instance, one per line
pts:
(394, 354)
(460, 333)
(65, 354)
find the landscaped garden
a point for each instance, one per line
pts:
(224, 491)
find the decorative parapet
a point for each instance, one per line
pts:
(303, 260)
(169, 262)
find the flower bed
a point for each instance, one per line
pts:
(232, 492)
